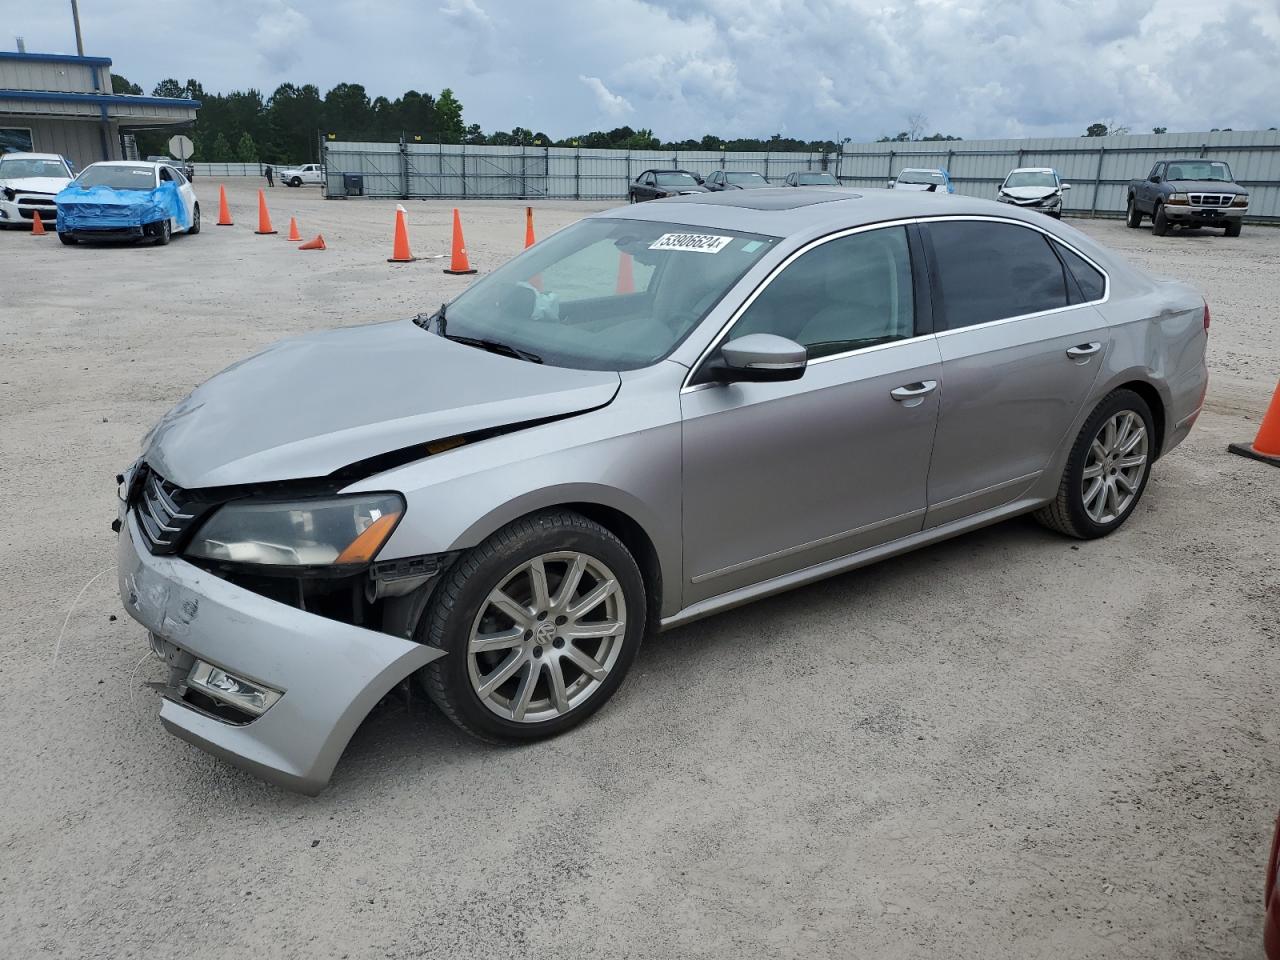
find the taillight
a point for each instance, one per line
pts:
(1206, 316)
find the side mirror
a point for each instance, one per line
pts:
(698, 178)
(1155, 179)
(759, 358)
(889, 185)
(1066, 186)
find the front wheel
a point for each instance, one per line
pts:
(1132, 215)
(164, 233)
(295, 182)
(1106, 471)
(1233, 229)
(540, 622)
(68, 239)
(1159, 222)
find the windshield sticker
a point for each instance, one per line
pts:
(752, 246)
(691, 242)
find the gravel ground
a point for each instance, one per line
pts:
(1009, 745)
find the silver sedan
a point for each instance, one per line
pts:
(658, 413)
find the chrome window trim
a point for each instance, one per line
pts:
(686, 387)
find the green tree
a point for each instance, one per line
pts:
(293, 121)
(347, 111)
(220, 151)
(449, 114)
(120, 84)
(168, 88)
(246, 149)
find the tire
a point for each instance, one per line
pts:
(295, 182)
(1159, 222)
(1233, 229)
(164, 234)
(68, 239)
(1133, 216)
(195, 222)
(1073, 512)
(463, 606)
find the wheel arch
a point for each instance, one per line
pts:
(1148, 392)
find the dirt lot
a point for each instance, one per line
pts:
(1009, 745)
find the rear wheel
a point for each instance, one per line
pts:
(1133, 216)
(195, 221)
(540, 623)
(1106, 471)
(1233, 229)
(1159, 222)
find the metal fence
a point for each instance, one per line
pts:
(228, 169)
(1098, 169)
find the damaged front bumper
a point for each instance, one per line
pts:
(328, 674)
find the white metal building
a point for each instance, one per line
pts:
(53, 103)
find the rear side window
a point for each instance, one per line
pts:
(1091, 281)
(992, 271)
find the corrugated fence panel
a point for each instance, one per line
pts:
(1098, 169)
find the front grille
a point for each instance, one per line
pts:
(163, 512)
(1211, 199)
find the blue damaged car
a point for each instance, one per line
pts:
(127, 200)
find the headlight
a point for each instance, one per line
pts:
(1241, 200)
(334, 531)
(1177, 198)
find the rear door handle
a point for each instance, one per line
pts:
(1083, 350)
(914, 391)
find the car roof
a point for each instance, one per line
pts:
(125, 163)
(31, 156)
(783, 211)
(1032, 170)
(923, 170)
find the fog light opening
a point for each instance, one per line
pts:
(252, 698)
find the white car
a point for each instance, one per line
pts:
(934, 179)
(28, 182)
(311, 173)
(1035, 188)
(133, 209)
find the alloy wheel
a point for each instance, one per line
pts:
(547, 637)
(1114, 469)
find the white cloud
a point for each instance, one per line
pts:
(610, 104)
(278, 36)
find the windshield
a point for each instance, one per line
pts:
(1199, 170)
(1031, 178)
(606, 294)
(921, 176)
(747, 179)
(119, 178)
(676, 180)
(16, 169)
(814, 179)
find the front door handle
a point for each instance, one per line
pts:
(914, 393)
(1083, 350)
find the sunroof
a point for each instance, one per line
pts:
(783, 198)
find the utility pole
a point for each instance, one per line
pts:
(75, 17)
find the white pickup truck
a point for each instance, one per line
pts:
(296, 176)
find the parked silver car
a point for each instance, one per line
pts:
(658, 413)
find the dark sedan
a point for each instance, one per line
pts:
(811, 178)
(655, 184)
(735, 180)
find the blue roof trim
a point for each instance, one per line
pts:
(102, 98)
(56, 58)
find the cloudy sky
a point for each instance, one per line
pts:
(803, 68)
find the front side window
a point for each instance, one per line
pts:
(1031, 178)
(845, 294)
(1200, 170)
(606, 294)
(19, 168)
(992, 271)
(118, 177)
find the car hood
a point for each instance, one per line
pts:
(309, 406)
(937, 187)
(1204, 186)
(1028, 193)
(36, 184)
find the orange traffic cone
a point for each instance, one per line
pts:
(316, 244)
(529, 240)
(1266, 445)
(224, 211)
(264, 218)
(626, 278)
(400, 245)
(293, 229)
(458, 262)
(37, 225)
